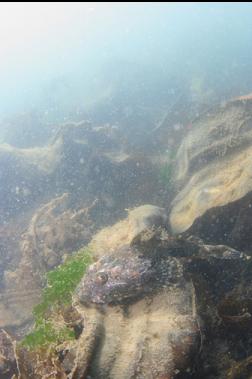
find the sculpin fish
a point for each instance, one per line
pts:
(125, 275)
(153, 259)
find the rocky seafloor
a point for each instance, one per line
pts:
(167, 292)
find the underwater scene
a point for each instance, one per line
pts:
(126, 190)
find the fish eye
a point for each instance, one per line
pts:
(102, 278)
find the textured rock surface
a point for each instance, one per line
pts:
(155, 337)
(214, 163)
(122, 233)
(83, 159)
(54, 230)
(8, 366)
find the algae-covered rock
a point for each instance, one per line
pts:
(154, 338)
(92, 165)
(122, 233)
(145, 309)
(214, 169)
(147, 299)
(55, 231)
(149, 317)
(141, 312)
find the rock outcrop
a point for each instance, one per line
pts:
(39, 223)
(153, 305)
(193, 320)
(213, 175)
(82, 159)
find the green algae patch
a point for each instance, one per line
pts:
(46, 334)
(61, 283)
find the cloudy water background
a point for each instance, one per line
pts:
(105, 60)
